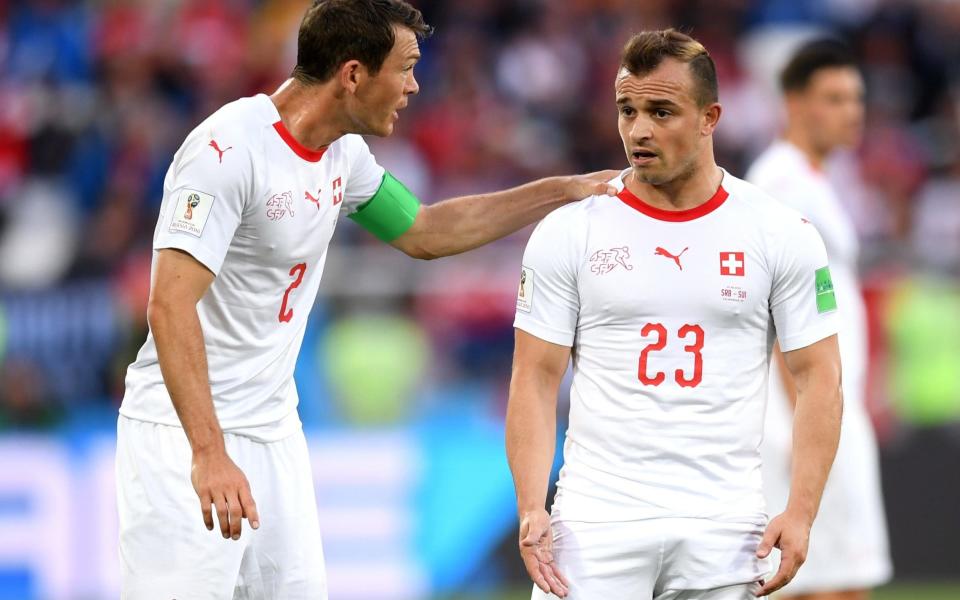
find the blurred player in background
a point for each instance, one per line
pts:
(209, 421)
(848, 545)
(669, 301)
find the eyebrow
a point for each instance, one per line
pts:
(656, 103)
(660, 102)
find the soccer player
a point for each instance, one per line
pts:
(208, 422)
(848, 544)
(668, 302)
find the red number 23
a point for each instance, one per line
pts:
(660, 343)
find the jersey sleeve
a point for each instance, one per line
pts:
(548, 298)
(204, 195)
(365, 178)
(802, 301)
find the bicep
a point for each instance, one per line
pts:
(178, 279)
(538, 361)
(820, 360)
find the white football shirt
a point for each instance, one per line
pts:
(783, 172)
(671, 317)
(258, 209)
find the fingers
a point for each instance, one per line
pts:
(205, 502)
(223, 515)
(788, 568)
(553, 578)
(249, 507)
(532, 565)
(770, 537)
(236, 512)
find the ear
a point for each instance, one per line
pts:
(710, 118)
(351, 74)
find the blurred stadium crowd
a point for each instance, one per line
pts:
(96, 96)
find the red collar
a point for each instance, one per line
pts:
(300, 150)
(690, 214)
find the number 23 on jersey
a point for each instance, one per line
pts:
(660, 343)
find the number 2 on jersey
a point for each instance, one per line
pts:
(296, 271)
(661, 343)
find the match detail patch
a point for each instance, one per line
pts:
(826, 300)
(525, 293)
(191, 212)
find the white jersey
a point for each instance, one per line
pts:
(258, 209)
(783, 172)
(671, 317)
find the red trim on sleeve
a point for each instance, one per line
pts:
(300, 150)
(690, 214)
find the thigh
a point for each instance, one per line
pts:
(285, 560)
(165, 549)
(702, 554)
(746, 591)
(606, 560)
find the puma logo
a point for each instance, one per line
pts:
(311, 198)
(676, 258)
(213, 144)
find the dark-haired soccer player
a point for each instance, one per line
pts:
(849, 554)
(209, 421)
(669, 302)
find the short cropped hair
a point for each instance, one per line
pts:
(335, 31)
(647, 49)
(811, 57)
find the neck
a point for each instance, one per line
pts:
(311, 113)
(800, 138)
(682, 193)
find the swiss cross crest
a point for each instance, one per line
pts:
(337, 190)
(732, 263)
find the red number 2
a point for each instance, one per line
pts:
(287, 313)
(661, 343)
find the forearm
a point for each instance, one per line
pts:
(531, 440)
(460, 224)
(183, 364)
(816, 434)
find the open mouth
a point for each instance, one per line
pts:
(644, 154)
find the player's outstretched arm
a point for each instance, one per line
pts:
(816, 433)
(538, 368)
(179, 281)
(460, 224)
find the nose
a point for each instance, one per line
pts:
(641, 129)
(412, 87)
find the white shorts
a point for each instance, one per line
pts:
(167, 552)
(848, 548)
(658, 559)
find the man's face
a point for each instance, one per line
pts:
(831, 107)
(662, 127)
(383, 95)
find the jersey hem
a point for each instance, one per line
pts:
(807, 337)
(201, 253)
(545, 332)
(283, 428)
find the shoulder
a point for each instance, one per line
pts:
(576, 216)
(757, 205)
(235, 127)
(786, 175)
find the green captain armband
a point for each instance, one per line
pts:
(390, 212)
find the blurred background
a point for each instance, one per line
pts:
(415, 498)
